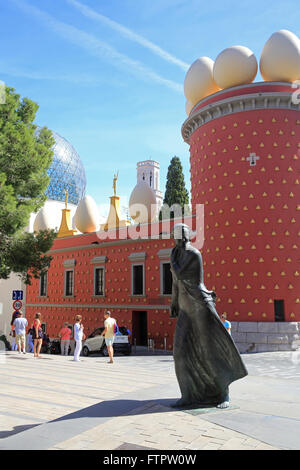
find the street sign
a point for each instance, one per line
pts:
(17, 295)
(17, 305)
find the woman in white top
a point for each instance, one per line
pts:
(78, 336)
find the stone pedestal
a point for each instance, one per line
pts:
(266, 336)
(114, 216)
(65, 229)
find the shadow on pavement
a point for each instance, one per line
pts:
(16, 430)
(117, 408)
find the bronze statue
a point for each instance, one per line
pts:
(206, 358)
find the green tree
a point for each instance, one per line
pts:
(176, 192)
(25, 157)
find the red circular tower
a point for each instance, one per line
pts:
(244, 160)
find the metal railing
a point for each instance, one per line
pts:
(153, 344)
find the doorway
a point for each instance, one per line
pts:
(279, 310)
(140, 328)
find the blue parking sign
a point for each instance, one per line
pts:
(17, 295)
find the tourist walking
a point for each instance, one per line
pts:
(37, 335)
(110, 326)
(78, 336)
(20, 324)
(12, 333)
(65, 336)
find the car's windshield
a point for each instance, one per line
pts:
(97, 332)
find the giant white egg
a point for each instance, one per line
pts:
(142, 203)
(280, 58)
(44, 220)
(236, 65)
(199, 81)
(87, 215)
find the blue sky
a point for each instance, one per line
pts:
(109, 78)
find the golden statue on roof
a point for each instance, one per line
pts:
(65, 229)
(114, 217)
(115, 183)
(66, 198)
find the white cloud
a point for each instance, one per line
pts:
(97, 48)
(129, 34)
(37, 75)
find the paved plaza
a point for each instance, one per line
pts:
(55, 403)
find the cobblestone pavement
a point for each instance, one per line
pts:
(56, 403)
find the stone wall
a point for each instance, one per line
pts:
(266, 336)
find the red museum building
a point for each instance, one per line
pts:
(244, 160)
(130, 277)
(244, 163)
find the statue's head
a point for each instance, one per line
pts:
(181, 234)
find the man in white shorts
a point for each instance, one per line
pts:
(20, 324)
(109, 333)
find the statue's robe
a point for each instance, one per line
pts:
(206, 358)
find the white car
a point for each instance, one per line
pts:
(96, 343)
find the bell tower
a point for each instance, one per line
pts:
(149, 171)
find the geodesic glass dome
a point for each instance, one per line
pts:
(66, 172)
